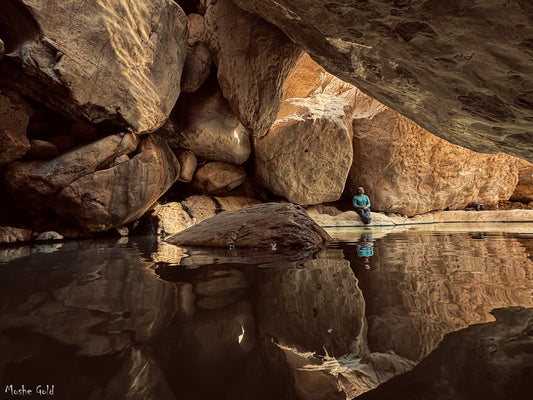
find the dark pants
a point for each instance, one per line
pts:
(364, 214)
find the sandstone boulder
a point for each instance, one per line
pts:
(203, 207)
(33, 182)
(524, 188)
(114, 196)
(10, 234)
(165, 219)
(253, 58)
(188, 164)
(269, 225)
(14, 117)
(218, 177)
(463, 73)
(42, 149)
(405, 169)
(306, 155)
(97, 61)
(198, 61)
(211, 130)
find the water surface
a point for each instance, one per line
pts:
(134, 318)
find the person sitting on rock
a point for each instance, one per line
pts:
(474, 206)
(361, 202)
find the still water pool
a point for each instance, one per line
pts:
(140, 319)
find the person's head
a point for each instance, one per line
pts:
(360, 190)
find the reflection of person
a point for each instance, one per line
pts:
(361, 202)
(365, 250)
(474, 206)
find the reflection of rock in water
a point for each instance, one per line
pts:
(423, 288)
(492, 361)
(315, 308)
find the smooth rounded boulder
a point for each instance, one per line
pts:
(268, 225)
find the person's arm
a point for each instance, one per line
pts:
(368, 201)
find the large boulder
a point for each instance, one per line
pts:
(269, 225)
(306, 155)
(253, 58)
(102, 185)
(115, 196)
(198, 62)
(218, 177)
(211, 130)
(462, 71)
(524, 188)
(14, 117)
(97, 61)
(405, 169)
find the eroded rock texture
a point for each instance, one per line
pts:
(462, 71)
(14, 117)
(524, 188)
(102, 61)
(268, 225)
(407, 170)
(218, 177)
(262, 55)
(101, 185)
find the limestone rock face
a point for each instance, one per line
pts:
(115, 196)
(103, 61)
(218, 177)
(489, 361)
(306, 155)
(524, 188)
(445, 67)
(211, 130)
(253, 58)
(198, 61)
(269, 225)
(405, 169)
(14, 117)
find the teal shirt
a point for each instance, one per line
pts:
(362, 200)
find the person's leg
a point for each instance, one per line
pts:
(366, 214)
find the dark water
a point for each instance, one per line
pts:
(143, 320)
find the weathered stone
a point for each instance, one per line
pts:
(489, 361)
(42, 150)
(211, 130)
(307, 154)
(188, 164)
(405, 169)
(309, 79)
(14, 117)
(106, 61)
(524, 188)
(2, 49)
(198, 61)
(203, 207)
(63, 142)
(270, 225)
(253, 58)
(113, 197)
(49, 235)
(33, 182)
(445, 67)
(164, 220)
(10, 234)
(218, 177)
